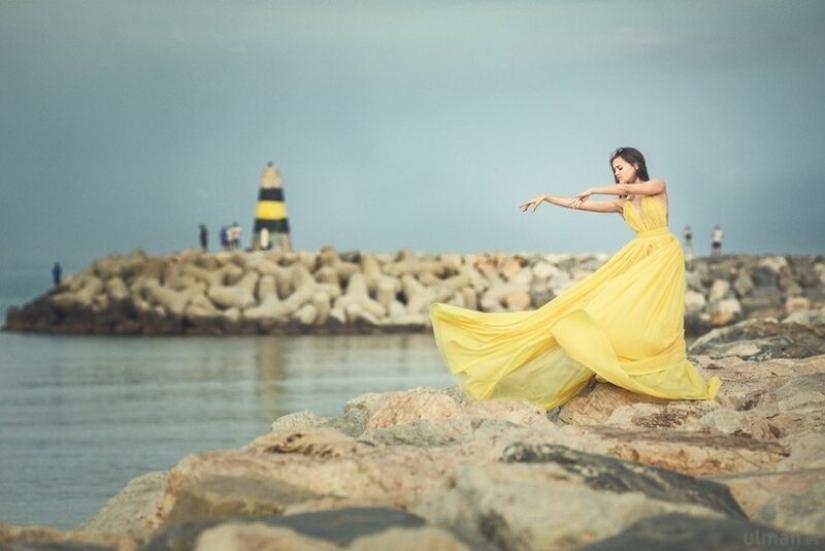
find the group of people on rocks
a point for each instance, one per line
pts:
(230, 237)
(715, 240)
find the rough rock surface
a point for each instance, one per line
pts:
(601, 472)
(762, 339)
(608, 470)
(680, 532)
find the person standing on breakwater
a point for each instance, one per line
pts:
(234, 236)
(716, 241)
(688, 235)
(623, 324)
(224, 237)
(57, 274)
(203, 236)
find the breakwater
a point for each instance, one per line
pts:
(328, 291)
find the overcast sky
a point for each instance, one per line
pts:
(404, 124)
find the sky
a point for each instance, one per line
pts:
(405, 124)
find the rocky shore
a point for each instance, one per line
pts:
(354, 292)
(429, 469)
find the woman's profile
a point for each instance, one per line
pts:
(624, 323)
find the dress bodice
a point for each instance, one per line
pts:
(649, 216)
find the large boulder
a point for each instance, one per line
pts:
(762, 340)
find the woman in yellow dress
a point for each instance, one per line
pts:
(623, 324)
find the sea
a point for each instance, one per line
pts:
(80, 416)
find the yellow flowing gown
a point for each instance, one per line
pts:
(623, 323)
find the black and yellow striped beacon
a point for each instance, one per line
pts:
(270, 215)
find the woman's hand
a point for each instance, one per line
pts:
(534, 202)
(581, 198)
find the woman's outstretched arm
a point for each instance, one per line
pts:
(650, 187)
(610, 205)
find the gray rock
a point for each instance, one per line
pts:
(743, 284)
(300, 420)
(789, 286)
(816, 294)
(352, 423)
(540, 298)
(601, 472)
(340, 526)
(725, 267)
(806, 317)
(693, 279)
(526, 506)
(804, 511)
(456, 394)
(765, 276)
(53, 546)
(803, 270)
(679, 532)
(418, 432)
(126, 512)
(758, 305)
(768, 339)
(229, 496)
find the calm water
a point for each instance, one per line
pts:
(81, 416)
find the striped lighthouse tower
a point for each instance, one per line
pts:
(270, 215)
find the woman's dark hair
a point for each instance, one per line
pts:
(632, 156)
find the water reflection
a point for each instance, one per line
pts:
(270, 366)
(81, 416)
(322, 373)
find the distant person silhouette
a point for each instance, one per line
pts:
(224, 238)
(716, 241)
(688, 235)
(235, 236)
(204, 238)
(57, 274)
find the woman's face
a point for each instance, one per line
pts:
(624, 172)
